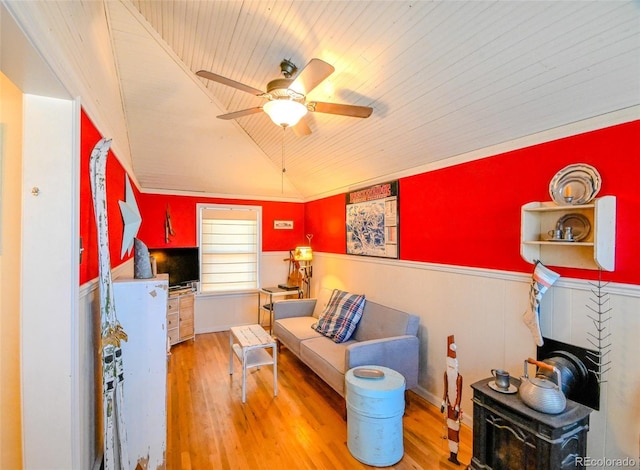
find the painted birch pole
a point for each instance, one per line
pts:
(115, 436)
(451, 400)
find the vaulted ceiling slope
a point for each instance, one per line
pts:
(444, 79)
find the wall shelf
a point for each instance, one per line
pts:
(596, 251)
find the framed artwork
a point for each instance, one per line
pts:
(372, 221)
(283, 224)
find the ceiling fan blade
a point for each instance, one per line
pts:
(342, 109)
(239, 114)
(227, 81)
(311, 75)
(302, 128)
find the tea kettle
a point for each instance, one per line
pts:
(539, 392)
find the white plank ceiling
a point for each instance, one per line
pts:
(444, 78)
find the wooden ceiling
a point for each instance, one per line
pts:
(445, 80)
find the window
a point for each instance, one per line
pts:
(229, 242)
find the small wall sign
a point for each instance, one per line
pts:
(283, 224)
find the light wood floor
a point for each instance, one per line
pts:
(303, 427)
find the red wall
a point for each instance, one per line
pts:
(184, 221)
(115, 184)
(469, 214)
(466, 215)
(325, 219)
(153, 208)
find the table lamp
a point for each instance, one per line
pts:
(304, 255)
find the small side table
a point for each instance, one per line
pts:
(250, 343)
(272, 292)
(374, 416)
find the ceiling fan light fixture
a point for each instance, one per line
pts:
(285, 112)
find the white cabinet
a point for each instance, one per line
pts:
(595, 251)
(141, 307)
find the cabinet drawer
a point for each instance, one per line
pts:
(172, 321)
(174, 336)
(173, 305)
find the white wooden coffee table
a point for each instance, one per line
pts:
(250, 344)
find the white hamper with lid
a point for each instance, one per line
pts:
(374, 416)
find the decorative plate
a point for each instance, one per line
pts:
(575, 184)
(580, 225)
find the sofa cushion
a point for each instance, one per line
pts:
(327, 359)
(341, 316)
(290, 331)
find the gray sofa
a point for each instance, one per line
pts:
(384, 336)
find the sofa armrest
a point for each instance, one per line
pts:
(399, 353)
(293, 308)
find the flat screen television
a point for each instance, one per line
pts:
(182, 264)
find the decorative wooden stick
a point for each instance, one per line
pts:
(115, 436)
(453, 383)
(168, 226)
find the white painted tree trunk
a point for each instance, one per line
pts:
(115, 436)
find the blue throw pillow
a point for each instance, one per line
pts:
(340, 317)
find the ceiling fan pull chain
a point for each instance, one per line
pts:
(284, 170)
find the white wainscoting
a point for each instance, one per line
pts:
(483, 309)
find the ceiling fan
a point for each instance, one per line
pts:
(286, 96)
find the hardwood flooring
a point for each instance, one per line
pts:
(303, 427)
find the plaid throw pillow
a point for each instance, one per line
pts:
(340, 317)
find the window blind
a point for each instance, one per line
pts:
(229, 248)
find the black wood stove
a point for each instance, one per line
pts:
(508, 435)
